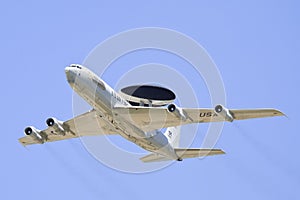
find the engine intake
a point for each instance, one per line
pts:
(178, 112)
(28, 131)
(56, 124)
(224, 112)
(34, 133)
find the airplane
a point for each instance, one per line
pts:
(138, 113)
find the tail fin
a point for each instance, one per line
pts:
(173, 135)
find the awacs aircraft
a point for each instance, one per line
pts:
(138, 113)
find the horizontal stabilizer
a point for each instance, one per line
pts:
(193, 153)
(182, 154)
(154, 157)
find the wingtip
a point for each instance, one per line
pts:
(22, 143)
(280, 113)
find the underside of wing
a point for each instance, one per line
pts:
(255, 113)
(87, 124)
(151, 118)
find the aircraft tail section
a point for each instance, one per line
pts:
(173, 135)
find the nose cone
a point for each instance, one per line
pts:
(71, 75)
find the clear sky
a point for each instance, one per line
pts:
(255, 45)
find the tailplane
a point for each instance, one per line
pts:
(182, 154)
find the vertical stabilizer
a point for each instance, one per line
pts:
(173, 135)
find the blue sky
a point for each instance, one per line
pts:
(255, 45)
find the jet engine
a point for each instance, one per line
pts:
(34, 133)
(224, 112)
(178, 112)
(56, 124)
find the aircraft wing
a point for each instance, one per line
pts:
(151, 118)
(87, 124)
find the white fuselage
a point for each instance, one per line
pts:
(104, 99)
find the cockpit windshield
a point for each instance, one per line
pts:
(77, 66)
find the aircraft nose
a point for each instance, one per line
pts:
(71, 75)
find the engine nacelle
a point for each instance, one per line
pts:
(224, 112)
(34, 133)
(178, 112)
(56, 124)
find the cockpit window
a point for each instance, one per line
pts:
(77, 66)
